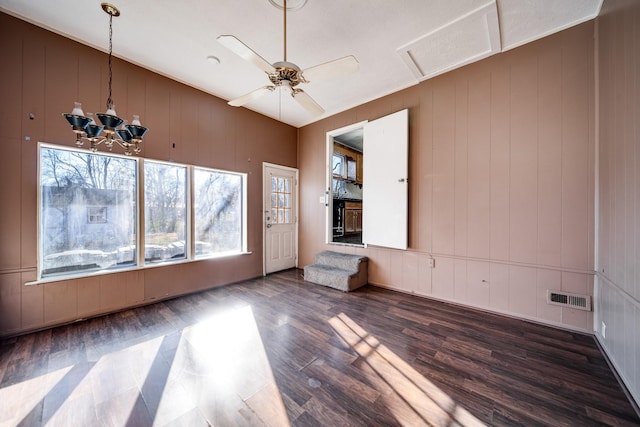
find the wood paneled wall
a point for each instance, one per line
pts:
(43, 74)
(618, 264)
(501, 182)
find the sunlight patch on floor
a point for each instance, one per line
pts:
(212, 368)
(413, 399)
(13, 408)
(235, 362)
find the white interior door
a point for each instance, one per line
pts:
(385, 176)
(280, 201)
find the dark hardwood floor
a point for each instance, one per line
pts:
(280, 351)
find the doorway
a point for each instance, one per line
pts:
(367, 183)
(345, 183)
(280, 224)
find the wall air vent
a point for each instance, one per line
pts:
(581, 302)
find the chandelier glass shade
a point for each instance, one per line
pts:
(113, 129)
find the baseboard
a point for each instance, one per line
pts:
(492, 311)
(634, 400)
(139, 304)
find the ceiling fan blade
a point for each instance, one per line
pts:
(307, 102)
(244, 99)
(347, 65)
(245, 52)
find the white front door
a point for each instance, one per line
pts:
(280, 201)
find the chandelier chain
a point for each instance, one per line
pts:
(109, 100)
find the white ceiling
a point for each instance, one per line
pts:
(397, 43)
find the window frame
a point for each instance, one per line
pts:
(142, 212)
(139, 225)
(243, 201)
(40, 232)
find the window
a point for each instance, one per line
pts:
(218, 212)
(96, 214)
(337, 167)
(87, 211)
(165, 211)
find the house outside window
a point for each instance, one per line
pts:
(87, 211)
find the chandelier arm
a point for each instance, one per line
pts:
(128, 147)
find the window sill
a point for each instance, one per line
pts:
(95, 273)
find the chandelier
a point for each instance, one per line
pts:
(113, 129)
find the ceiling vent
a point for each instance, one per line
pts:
(467, 39)
(581, 302)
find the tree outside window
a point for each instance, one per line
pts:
(218, 211)
(165, 211)
(73, 184)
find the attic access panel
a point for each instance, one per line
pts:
(465, 40)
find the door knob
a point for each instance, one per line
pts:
(268, 225)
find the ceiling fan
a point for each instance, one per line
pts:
(287, 74)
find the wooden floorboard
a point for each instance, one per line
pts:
(278, 351)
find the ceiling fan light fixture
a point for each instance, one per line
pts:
(292, 5)
(285, 74)
(110, 9)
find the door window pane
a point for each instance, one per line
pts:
(165, 211)
(281, 200)
(218, 208)
(87, 211)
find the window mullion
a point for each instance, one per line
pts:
(140, 214)
(190, 244)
